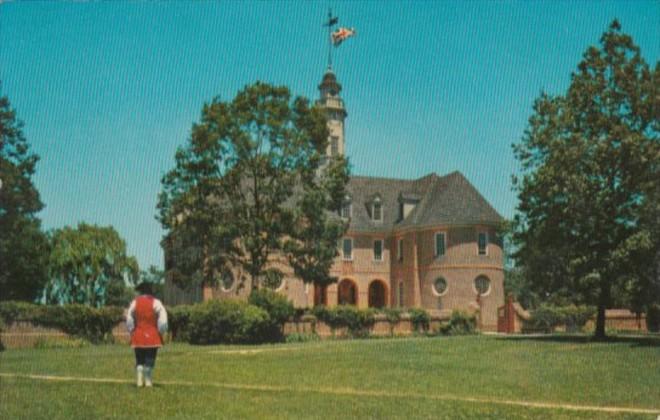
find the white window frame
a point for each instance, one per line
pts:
(490, 285)
(399, 249)
(350, 257)
(486, 247)
(350, 210)
(444, 243)
(373, 211)
(382, 249)
(435, 291)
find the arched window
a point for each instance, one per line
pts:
(482, 285)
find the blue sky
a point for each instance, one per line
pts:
(107, 91)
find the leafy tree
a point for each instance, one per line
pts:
(23, 246)
(84, 262)
(252, 183)
(587, 225)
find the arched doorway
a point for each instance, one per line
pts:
(376, 294)
(347, 293)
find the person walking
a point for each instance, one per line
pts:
(146, 320)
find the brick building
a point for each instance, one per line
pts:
(429, 242)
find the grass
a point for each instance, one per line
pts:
(451, 377)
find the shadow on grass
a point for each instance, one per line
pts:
(633, 340)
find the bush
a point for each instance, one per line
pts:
(214, 322)
(393, 316)
(546, 318)
(576, 317)
(653, 318)
(92, 324)
(278, 307)
(460, 323)
(80, 321)
(12, 311)
(178, 320)
(356, 321)
(420, 319)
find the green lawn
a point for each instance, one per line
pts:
(452, 377)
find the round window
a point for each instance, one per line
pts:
(440, 286)
(482, 285)
(273, 279)
(227, 280)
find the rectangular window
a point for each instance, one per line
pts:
(378, 250)
(399, 249)
(334, 146)
(377, 212)
(483, 243)
(401, 294)
(439, 244)
(346, 210)
(348, 248)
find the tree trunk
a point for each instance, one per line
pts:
(603, 301)
(600, 323)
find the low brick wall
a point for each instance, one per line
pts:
(21, 334)
(381, 327)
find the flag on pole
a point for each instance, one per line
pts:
(341, 34)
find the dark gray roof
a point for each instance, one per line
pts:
(446, 200)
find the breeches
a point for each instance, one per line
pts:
(146, 356)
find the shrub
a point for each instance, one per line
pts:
(420, 319)
(214, 322)
(545, 318)
(12, 311)
(178, 319)
(460, 323)
(93, 324)
(576, 317)
(356, 321)
(80, 321)
(278, 307)
(653, 318)
(393, 316)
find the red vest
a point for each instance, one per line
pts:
(146, 326)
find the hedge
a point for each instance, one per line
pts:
(460, 323)
(214, 322)
(356, 321)
(92, 324)
(547, 317)
(421, 320)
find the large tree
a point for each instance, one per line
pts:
(23, 246)
(85, 263)
(252, 184)
(586, 229)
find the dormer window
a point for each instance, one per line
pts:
(346, 208)
(377, 210)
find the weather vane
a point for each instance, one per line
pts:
(336, 37)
